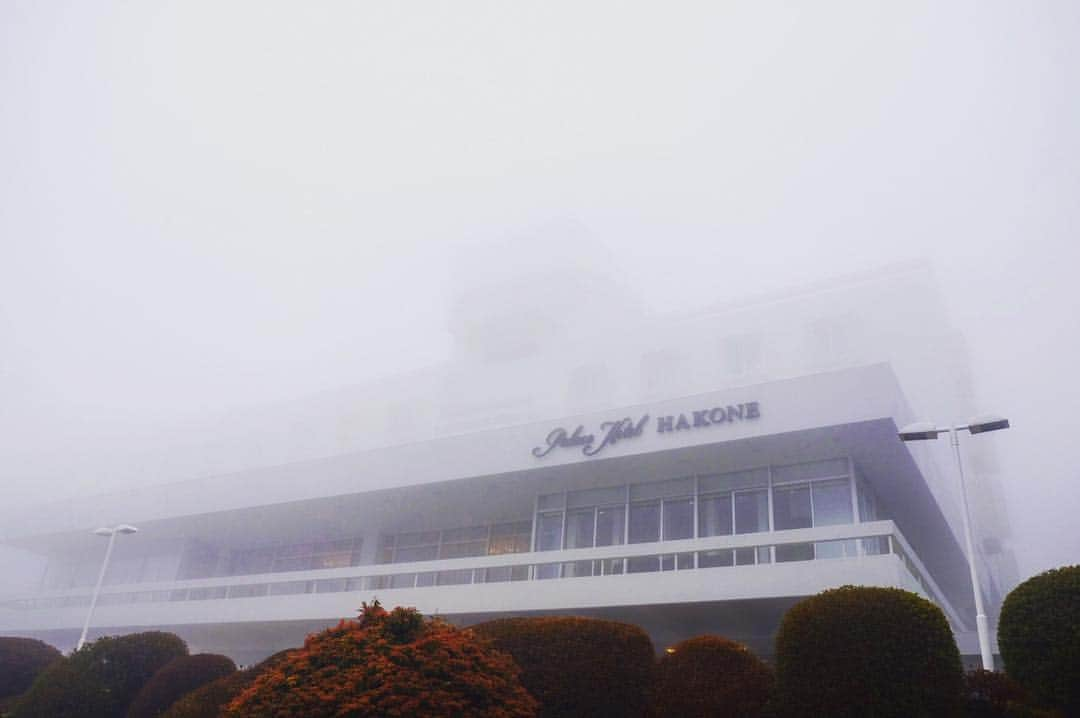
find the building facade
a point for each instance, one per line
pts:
(690, 474)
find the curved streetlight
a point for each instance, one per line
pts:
(924, 430)
(111, 533)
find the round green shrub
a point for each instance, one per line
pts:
(101, 678)
(988, 694)
(578, 666)
(21, 659)
(177, 677)
(860, 651)
(1039, 637)
(389, 664)
(711, 677)
(209, 701)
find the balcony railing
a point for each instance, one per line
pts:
(847, 541)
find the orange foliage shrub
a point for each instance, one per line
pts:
(389, 664)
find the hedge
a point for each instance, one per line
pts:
(177, 677)
(21, 659)
(1039, 637)
(989, 694)
(578, 666)
(865, 651)
(101, 678)
(711, 677)
(389, 664)
(209, 701)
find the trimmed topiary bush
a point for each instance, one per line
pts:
(177, 677)
(101, 678)
(862, 651)
(21, 659)
(1039, 637)
(578, 666)
(389, 664)
(711, 677)
(209, 701)
(988, 694)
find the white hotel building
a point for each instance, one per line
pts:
(689, 474)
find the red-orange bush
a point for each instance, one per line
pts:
(711, 677)
(578, 666)
(389, 664)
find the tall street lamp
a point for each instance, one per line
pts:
(111, 533)
(924, 430)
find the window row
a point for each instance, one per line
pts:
(490, 540)
(684, 508)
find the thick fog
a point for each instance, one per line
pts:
(209, 209)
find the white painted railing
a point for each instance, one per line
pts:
(871, 538)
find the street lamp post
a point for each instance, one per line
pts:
(922, 431)
(111, 533)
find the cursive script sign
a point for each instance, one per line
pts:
(610, 433)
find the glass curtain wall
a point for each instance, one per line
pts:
(744, 502)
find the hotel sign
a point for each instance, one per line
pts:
(612, 432)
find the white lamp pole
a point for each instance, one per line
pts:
(111, 533)
(927, 430)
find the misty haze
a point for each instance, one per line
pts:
(615, 309)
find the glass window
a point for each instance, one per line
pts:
(835, 549)
(710, 559)
(416, 553)
(510, 538)
(749, 479)
(260, 560)
(683, 561)
(579, 534)
(658, 489)
(286, 588)
(248, 590)
(794, 552)
(330, 585)
(714, 515)
(751, 511)
(292, 564)
(420, 538)
(506, 573)
(791, 508)
(867, 504)
(465, 548)
(645, 522)
(579, 528)
(403, 580)
(832, 503)
(596, 497)
(678, 519)
(642, 564)
(333, 560)
(745, 556)
(610, 525)
(471, 533)
(454, 578)
(547, 570)
(549, 532)
(812, 470)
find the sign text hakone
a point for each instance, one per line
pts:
(612, 432)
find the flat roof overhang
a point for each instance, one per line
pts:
(852, 412)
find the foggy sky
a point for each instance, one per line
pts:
(207, 205)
